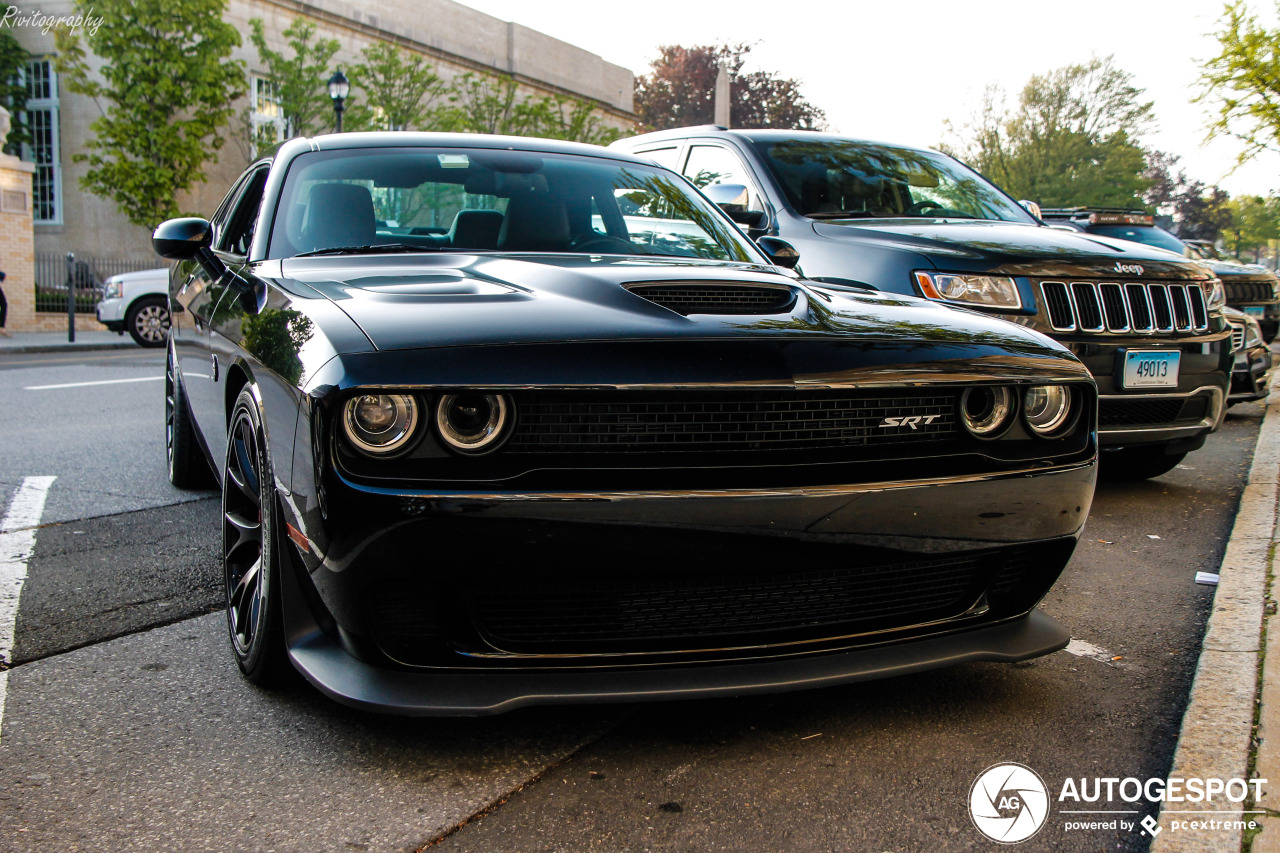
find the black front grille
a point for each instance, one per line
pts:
(1087, 306)
(1237, 337)
(611, 422)
(718, 298)
(1148, 412)
(687, 611)
(1249, 291)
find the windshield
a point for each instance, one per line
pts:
(833, 179)
(1150, 235)
(479, 200)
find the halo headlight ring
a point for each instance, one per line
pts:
(474, 423)
(380, 424)
(987, 410)
(1049, 411)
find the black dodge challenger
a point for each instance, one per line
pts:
(507, 421)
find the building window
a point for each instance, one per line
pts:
(266, 117)
(44, 149)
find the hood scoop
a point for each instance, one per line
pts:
(713, 297)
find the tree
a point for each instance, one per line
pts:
(13, 91)
(1254, 224)
(491, 104)
(1243, 81)
(1201, 213)
(167, 85)
(299, 80)
(679, 90)
(560, 117)
(1071, 139)
(401, 92)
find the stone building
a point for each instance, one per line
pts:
(455, 38)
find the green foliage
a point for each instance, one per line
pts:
(299, 78)
(1070, 141)
(679, 90)
(1243, 81)
(493, 104)
(13, 93)
(1255, 222)
(166, 86)
(401, 91)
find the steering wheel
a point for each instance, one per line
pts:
(921, 206)
(594, 241)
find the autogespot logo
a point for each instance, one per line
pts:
(1009, 803)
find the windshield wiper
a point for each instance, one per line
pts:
(846, 214)
(380, 248)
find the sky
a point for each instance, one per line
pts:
(896, 71)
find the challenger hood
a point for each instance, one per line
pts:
(1014, 248)
(426, 301)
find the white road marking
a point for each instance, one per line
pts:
(87, 384)
(17, 541)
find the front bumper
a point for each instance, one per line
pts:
(110, 313)
(1185, 414)
(388, 548)
(1251, 379)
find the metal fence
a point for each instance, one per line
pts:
(87, 273)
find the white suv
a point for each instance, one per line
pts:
(137, 303)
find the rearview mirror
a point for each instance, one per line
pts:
(181, 239)
(779, 252)
(734, 200)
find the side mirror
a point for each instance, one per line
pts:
(181, 239)
(734, 200)
(779, 252)
(1031, 207)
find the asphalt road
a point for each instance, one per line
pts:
(126, 726)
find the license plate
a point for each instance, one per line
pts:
(1151, 368)
(1256, 310)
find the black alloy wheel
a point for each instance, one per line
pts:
(250, 556)
(186, 462)
(148, 322)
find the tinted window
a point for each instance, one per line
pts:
(238, 232)
(668, 157)
(833, 179)
(482, 199)
(1147, 235)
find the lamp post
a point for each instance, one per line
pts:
(338, 88)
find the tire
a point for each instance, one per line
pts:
(188, 468)
(1138, 463)
(251, 557)
(148, 321)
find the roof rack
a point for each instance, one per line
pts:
(1082, 210)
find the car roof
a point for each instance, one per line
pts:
(756, 135)
(413, 139)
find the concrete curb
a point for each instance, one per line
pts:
(127, 344)
(1217, 730)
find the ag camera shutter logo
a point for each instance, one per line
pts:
(1008, 803)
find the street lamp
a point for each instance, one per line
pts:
(338, 88)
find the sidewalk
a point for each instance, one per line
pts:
(57, 342)
(1231, 729)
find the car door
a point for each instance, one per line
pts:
(231, 240)
(193, 297)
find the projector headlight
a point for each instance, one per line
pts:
(993, 291)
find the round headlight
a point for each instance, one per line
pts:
(985, 411)
(380, 423)
(1047, 408)
(472, 422)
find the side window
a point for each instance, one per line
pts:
(669, 157)
(711, 164)
(238, 233)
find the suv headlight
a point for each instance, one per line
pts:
(113, 289)
(993, 291)
(1252, 333)
(1215, 296)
